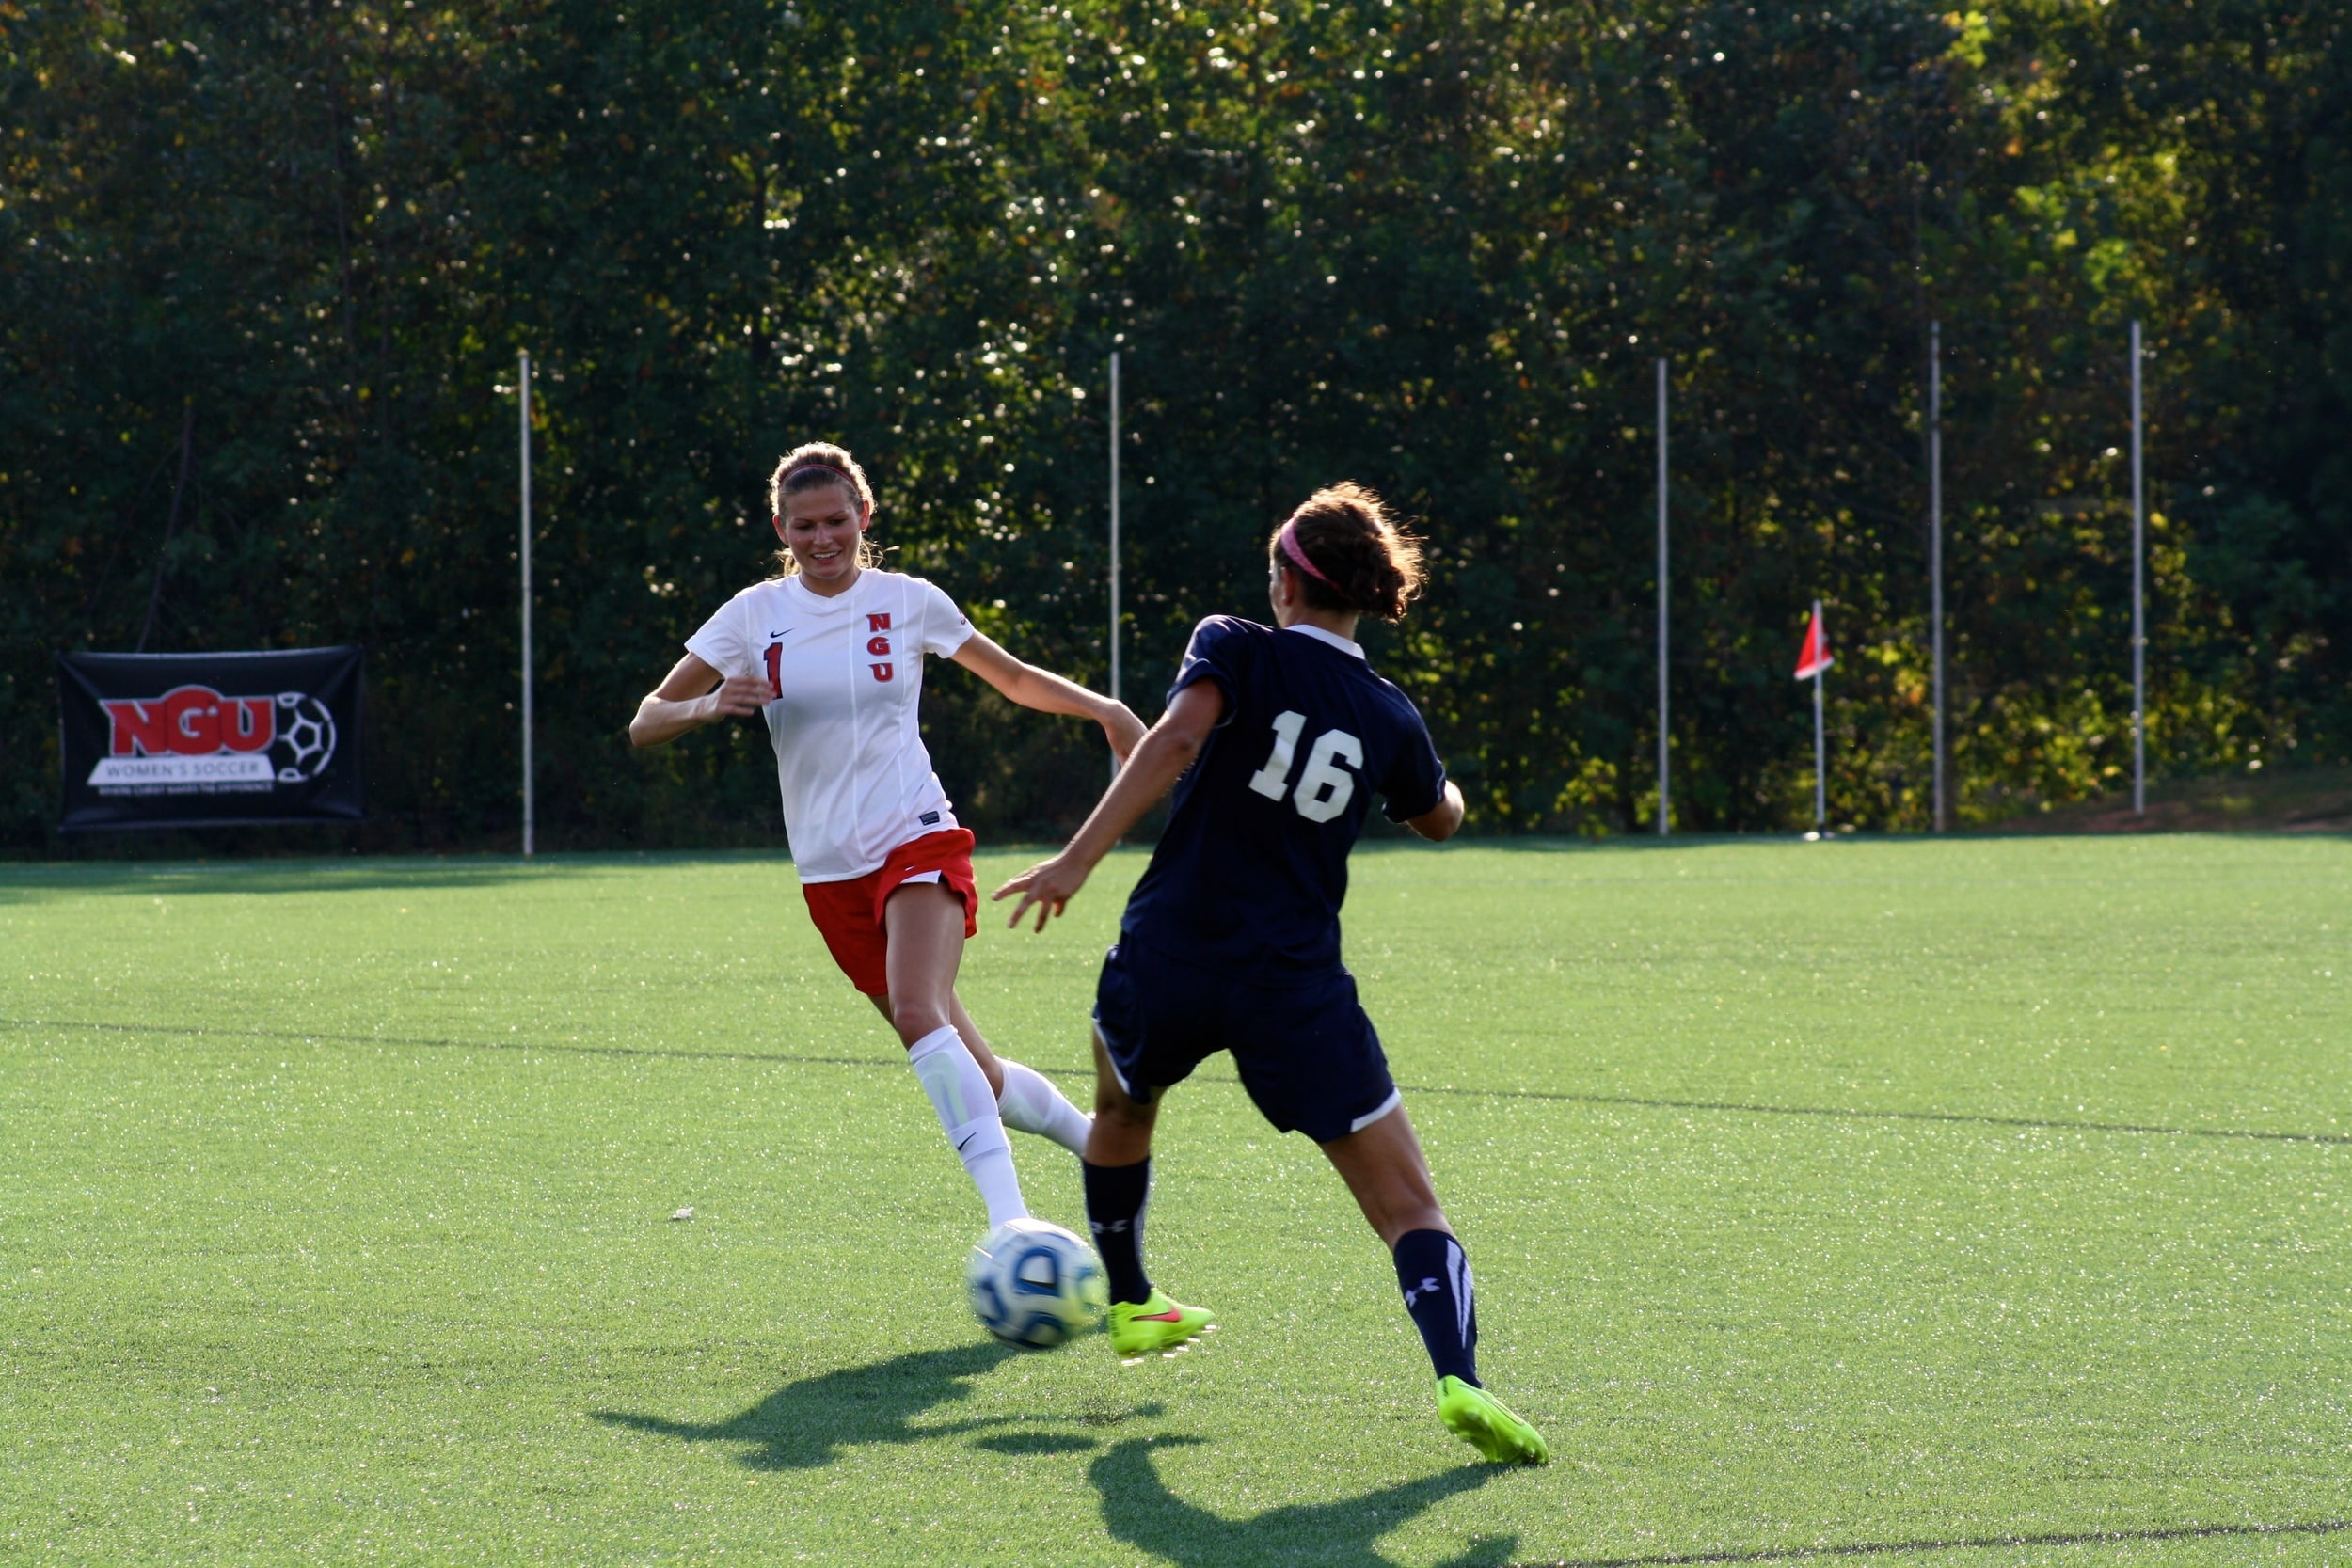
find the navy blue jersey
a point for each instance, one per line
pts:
(1252, 871)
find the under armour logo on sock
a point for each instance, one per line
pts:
(1107, 1227)
(1427, 1287)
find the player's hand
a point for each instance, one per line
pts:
(1124, 731)
(1049, 885)
(740, 695)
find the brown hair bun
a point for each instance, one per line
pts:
(1370, 564)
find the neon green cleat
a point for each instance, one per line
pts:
(1157, 1325)
(1487, 1424)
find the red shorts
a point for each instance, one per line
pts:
(849, 914)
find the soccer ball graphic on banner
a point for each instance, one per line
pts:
(306, 738)
(1036, 1285)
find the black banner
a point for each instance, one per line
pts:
(207, 740)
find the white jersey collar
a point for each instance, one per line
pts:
(822, 604)
(1333, 638)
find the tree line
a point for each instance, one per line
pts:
(268, 269)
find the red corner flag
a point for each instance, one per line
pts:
(1813, 658)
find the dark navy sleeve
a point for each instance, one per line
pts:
(1219, 651)
(1416, 780)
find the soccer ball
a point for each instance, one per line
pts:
(1036, 1285)
(305, 735)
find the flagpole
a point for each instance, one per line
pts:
(1820, 753)
(524, 554)
(1114, 585)
(2139, 626)
(1663, 798)
(1936, 544)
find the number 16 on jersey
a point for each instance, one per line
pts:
(1324, 789)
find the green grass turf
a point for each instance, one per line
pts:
(1852, 1193)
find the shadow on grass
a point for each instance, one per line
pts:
(1976, 1543)
(805, 1424)
(2058, 1124)
(1140, 1510)
(26, 880)
(25, 884)
(427, 1042)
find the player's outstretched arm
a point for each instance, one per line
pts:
(1047, 692)
(690, 696)
(1158, 761)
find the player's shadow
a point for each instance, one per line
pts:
(805, 1424)
(1140, 1510)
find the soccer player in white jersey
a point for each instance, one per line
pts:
(831, 652)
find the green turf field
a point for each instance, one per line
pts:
(1888, 1195)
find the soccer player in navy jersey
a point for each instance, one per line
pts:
(1275, 740)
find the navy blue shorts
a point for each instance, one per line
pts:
(1305, 1051)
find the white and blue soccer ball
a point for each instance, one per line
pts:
(1036, 1285)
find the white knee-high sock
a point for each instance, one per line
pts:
(958, 1092)
(1031, 1103)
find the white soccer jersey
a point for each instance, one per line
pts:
(847, 673)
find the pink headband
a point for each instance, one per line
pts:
(1288, 539)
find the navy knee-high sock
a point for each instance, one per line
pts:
(1116, 1198)
(1433, 1273)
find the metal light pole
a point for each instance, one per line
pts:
(1115, 639)
(1114, 626)
(2139, 623)
(1663, 798)
(529, 802)
(1935, 546)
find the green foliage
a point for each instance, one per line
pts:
(266, 270)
